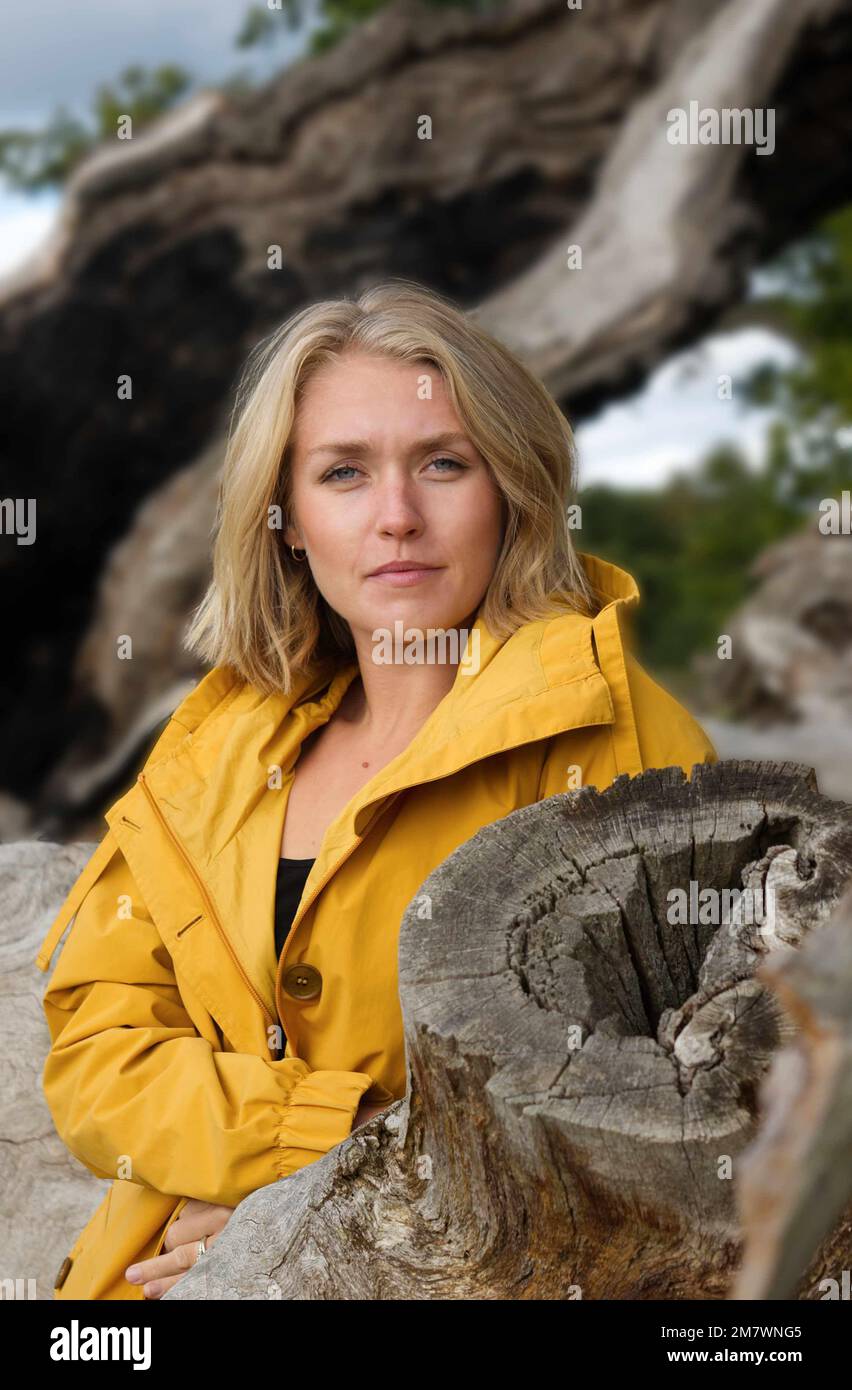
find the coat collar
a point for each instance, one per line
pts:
(212, 770)
(519, 693)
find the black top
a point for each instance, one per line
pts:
(292, 874)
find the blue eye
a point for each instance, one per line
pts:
(446, 459)
(333, 473)
(340, 467)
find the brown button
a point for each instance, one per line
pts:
(301, 981)
(64, 1271)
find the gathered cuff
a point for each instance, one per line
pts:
(318, 1116)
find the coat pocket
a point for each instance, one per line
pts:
(139, 1220)
(95, 1226)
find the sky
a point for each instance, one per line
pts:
(53, 53)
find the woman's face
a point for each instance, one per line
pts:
(380, 474)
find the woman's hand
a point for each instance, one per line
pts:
(196, 1220)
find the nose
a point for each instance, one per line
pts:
(396, 511)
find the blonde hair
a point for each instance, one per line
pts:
(262, 613)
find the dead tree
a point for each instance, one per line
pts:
(588, 1033)
(168, 242)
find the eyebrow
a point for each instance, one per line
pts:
(362, 446)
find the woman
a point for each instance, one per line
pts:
(203, 1043)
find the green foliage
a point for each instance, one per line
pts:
(691, 543)
(35, 159)
(142, 94)
(339, 17)
(815, 308)
(262, 25)
(31, 159)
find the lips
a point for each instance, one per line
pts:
(400, 567)
(406, 577)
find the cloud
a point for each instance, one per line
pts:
(677, 417)
(56, 54)
(24, 223)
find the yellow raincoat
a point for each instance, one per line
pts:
(164, 1005)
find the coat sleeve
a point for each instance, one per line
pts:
(136, 1091)
(667, 736)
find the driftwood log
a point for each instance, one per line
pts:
(160, 267)
(586, 1075)
(791, 640)
(785, 688)
(797, 1176)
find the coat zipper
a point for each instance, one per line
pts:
(214, 916)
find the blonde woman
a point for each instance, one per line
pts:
(225, 1008)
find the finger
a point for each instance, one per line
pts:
(192, 1207)
(202, 1222)
(186, 1228)
(193, 1204)
(156, 1287)
(176, 1261)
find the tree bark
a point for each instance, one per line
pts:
(585, 1073)
(797, 1177)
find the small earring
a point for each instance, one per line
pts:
(295, 556)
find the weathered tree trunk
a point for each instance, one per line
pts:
(165, 240)
(585, 1071)
(797, 1176)
(786, 689)
(791, 638)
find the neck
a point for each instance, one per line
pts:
(389, 700)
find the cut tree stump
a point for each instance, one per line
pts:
(585, 1066)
